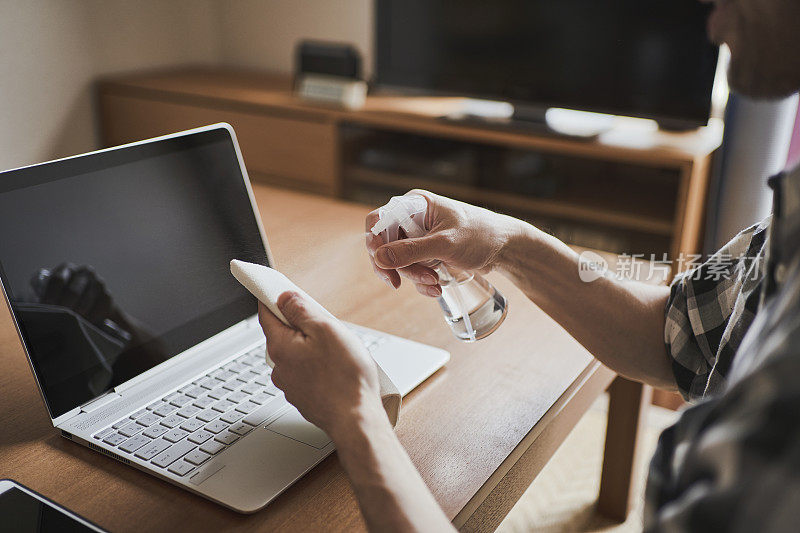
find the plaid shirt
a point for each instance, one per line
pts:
(732, 461)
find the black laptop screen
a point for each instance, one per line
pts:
(117, 261)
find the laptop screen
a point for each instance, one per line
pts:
(114, 262)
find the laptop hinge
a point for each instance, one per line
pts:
(99, 402)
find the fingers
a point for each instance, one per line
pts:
(405, 252)
(420, 274)
(388, 266)
(433, 291)
(302, 314)
(389, 276)
(274, 329)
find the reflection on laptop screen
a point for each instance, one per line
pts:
(117, 261)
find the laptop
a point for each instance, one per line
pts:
(115, 266)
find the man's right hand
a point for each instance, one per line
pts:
(458, 234)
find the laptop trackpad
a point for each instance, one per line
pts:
(292, 424)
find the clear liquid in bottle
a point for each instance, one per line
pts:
(472, 307)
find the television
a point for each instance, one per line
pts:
(640, 58)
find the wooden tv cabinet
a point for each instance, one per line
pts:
(631, 191)
(628, 191)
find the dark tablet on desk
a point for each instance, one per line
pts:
(23, 510)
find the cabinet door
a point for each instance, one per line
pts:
(296, 152)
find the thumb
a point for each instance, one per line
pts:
(405, 252)
(299, 311)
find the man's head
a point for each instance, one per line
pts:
(764, 39)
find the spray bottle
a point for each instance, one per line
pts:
(472, 307)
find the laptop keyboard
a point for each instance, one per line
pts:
(184, 429)
(187, 427)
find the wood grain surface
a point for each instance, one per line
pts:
(470, 421)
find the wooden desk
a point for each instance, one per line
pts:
(479, 430)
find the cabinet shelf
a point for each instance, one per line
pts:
(581, 207)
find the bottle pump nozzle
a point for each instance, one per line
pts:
(400, 213)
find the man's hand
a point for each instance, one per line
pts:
(459, 234)
(326, 373)
(323, 368)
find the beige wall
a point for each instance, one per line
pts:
(263, 33)
(50, 51)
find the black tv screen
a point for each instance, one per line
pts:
(643, 58)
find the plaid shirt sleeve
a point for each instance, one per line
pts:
(732, 462)
(710, 309)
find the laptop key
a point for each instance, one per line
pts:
(148, 420)
(103, 433)
(172, 420)
(181, 468)
(131, 429)
(195, 391)
(204, 402)
(252, 388)
(241, 428)
(262, 380)
(212, 447)
(157, 403)
(164, 410)
(181, 400)
(225, 375)
(208, 415)
(155, 431)
(232, 384)
(168, 398)
(175, 435)
(248, 359)
(192, 425)
(223, 405)
(139, 413)
(246, 377)
(148, 451)
(218, 393)
(231, 416)
(121, 422)
(114, 439)
(207, 382)
(264, 412)
(189, 411)
(173, 453)
(199, 437)
(247, 407)
(134, 443)
(197, 457)
(261, 398)
(216, 426)
(235, 367)
(227, 437)
(237, 397)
